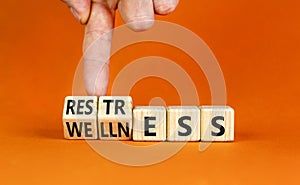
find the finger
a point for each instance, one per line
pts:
(137, 14)
(164, 7)
(96, 47)
(80, 9)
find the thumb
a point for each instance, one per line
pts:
(80, 9)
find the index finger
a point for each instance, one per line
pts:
(96, 48)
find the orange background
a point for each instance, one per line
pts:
(256, 43)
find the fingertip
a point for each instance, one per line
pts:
(75, 14)
(96, 79)
(164, 7)
(164, 10)
(138, 15)
(140, 25)
(80, 9)
(84, 11)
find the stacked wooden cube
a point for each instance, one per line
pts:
(114, 118)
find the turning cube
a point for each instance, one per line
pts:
(80, 117)
(217, 123)
(149, 123)
(183, 123)
(115, 117)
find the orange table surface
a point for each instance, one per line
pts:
(257, 46)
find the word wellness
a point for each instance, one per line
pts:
(114, 118)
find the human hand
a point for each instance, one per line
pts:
(99, 15)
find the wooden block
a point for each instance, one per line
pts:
(183, 123)
(149, 123)
(115, 117)
(217, 123)
(80, 117)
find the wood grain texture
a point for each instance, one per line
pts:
(80, 117)
(115, 117)
(217, 123)
(183, 123)
(149, 123)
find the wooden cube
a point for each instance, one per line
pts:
(217, 123)
(80, 117)
(183, 123)
(115, 117)
(149, 123)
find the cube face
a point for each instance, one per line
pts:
(149, 123)
(183, 123)
(217, 123)
(80, 117)
(115, 117)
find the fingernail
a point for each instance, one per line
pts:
(76, 15)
